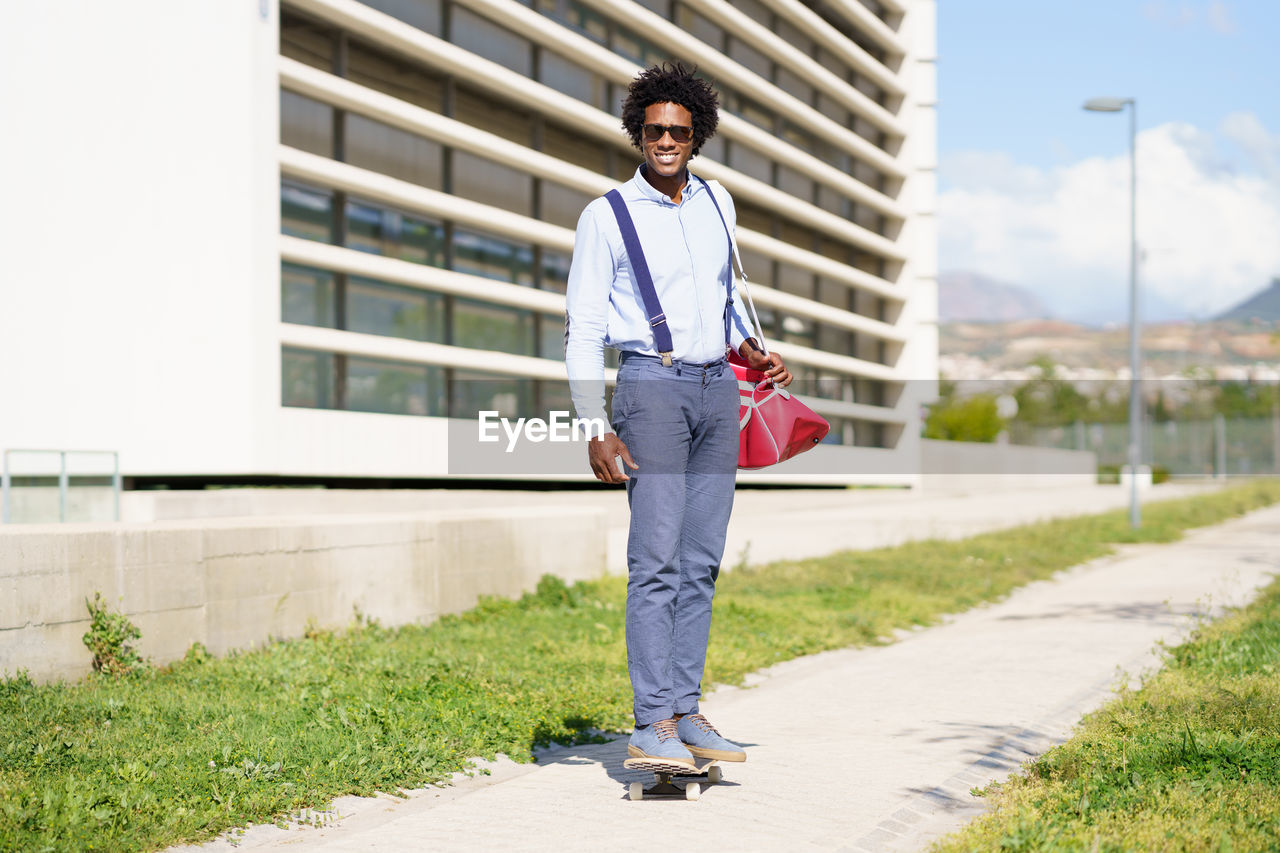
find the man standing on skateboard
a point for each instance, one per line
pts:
(675, 407)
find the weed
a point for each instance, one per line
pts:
(108, 639)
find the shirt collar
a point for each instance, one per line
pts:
(692, 186)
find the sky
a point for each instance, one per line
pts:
(1034, 191)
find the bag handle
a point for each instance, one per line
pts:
(737, 264)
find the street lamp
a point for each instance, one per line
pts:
(1115, 105)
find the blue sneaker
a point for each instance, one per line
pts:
(657, 747)
(704, 741)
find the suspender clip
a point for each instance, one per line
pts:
(666, 359)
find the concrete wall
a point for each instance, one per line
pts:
(235, 583)
(971, 465)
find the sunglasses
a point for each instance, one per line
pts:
(679, 132)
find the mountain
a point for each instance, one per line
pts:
(968, 296)
(1263, 305)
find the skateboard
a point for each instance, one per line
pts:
(706, 770)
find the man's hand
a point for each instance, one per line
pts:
(602, 452)
(771, 365)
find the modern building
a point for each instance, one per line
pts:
(253, 238)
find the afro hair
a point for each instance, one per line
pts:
(676, 84)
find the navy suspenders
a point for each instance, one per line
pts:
(644, 281)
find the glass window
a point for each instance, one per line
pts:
(753, 217)
(714, 149)
(481, 325)
(573, 80)
(797, 235)
(554, 396)
(381, 231)
(835, 294)
(574, 147)
(868, 218)
(834, 339)
(551, 332)
(836, 251)
(637, 49)
(377, 308)
(471, 393)
(306, 212)
(471, 32)
(751, 111)
(833, 202)
(795, 85)
(492, 257)
(700, 27)
(555, 271)
(410, 83)
(792, 36)
(792, 279)
(751, 162)
(793, 183)
(306, 295)
(491, 183)
(305, 41)
(306, 124)
(866, 87)
(586, 21)
(561, 205)
(306, 379)
(380, 148)
(759, 267)
(746, 55)
(483, 112)
(865, 173)
(423, 14)
(798, 136)
(394, 388)
(831, 386)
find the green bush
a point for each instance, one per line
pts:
(971, 419)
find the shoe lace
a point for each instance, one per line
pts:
(665, 730)
(702, 723)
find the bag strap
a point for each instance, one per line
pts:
(640, 268)
(742, 274)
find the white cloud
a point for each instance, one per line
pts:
(1209, 222)
(1216, 15)
(1219, 18)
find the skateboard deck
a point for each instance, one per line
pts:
(665, 778)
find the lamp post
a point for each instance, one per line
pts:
(1115, 105)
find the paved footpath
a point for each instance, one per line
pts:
(861, 749)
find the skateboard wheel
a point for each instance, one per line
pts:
(714, 775)
(692, 791)
(636, 791)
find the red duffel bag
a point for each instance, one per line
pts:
(773, 425)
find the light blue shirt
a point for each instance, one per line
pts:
(689, 259)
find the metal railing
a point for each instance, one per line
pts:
(64, 478)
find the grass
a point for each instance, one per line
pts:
(1188, 762)
(184, 752)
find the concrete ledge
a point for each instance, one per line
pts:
(237, 583)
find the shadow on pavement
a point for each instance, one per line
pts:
(610, 756)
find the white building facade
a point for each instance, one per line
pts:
(252, 238)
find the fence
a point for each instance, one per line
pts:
(33, 490)
(1207, 448)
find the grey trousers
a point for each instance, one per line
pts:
(680, 425)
